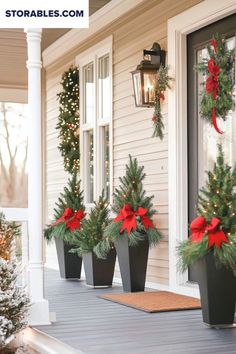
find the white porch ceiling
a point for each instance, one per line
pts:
(13, 50)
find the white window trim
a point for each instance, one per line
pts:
(179, 26)
(100, 49)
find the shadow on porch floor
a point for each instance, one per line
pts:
(96, 326)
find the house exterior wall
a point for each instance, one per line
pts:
(132, 127)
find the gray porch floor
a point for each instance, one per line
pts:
(97, 326)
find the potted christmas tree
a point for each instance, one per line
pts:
(68, 214)
(98, 253)
(132, 231)
(211, 247)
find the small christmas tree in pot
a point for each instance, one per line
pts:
(132, 231)
(98, 252)
(68, 214)
(211, 247)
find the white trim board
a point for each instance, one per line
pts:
(199, 16)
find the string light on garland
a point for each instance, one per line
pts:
(69, 120)
(217, 96)
(162, 83)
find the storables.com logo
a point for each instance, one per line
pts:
(44, 13)
(25, 14)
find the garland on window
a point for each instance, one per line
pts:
(217, 96)
(162, 83)
(69, 120)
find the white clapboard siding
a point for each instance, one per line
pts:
(132, 127)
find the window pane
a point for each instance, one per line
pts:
(89, 93)
(13, 155)
(208, 137)
(105, 160)
(149, 85)
(137, 88)
(104, 89)
(89, 166)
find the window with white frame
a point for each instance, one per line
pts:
(95, 68)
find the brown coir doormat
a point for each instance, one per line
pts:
(156, 301)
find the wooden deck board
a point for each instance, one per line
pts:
(97, 326)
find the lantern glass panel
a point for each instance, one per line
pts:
(137, 88)
(149, 82)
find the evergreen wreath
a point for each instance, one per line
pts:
(133, 208)
(69, 120)
(162, 83)
(217, 96)
(214, 230)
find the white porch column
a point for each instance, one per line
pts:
(39, 312)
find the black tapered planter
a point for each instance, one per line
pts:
(132, 263)
(217, 287)
(69, 263)
(99, 272)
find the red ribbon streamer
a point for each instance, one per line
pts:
(214, 120)
(213, 43)
(128, 216)
(212, 86)
(162, 96)
(71, 219)
(199, 227)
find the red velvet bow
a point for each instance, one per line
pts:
(128, 216)
(67, 215)
(212, 84)
(71, 219)
(75, 222)
(213, 43)
(215, 236)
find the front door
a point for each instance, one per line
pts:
(202, 138)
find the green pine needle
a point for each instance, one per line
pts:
(72, 198)
(91, 236)
(216, 199)
(69, 120)
(131, 192)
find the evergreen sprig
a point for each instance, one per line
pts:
(69, 120)
(90, 237)
(162, 83)
(223, 57)
(72, 198)
(216, 199)
(131, 192)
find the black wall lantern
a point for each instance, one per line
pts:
(144, 77)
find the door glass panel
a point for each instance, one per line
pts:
(105, 160)
(208, 138)
(89, 93)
